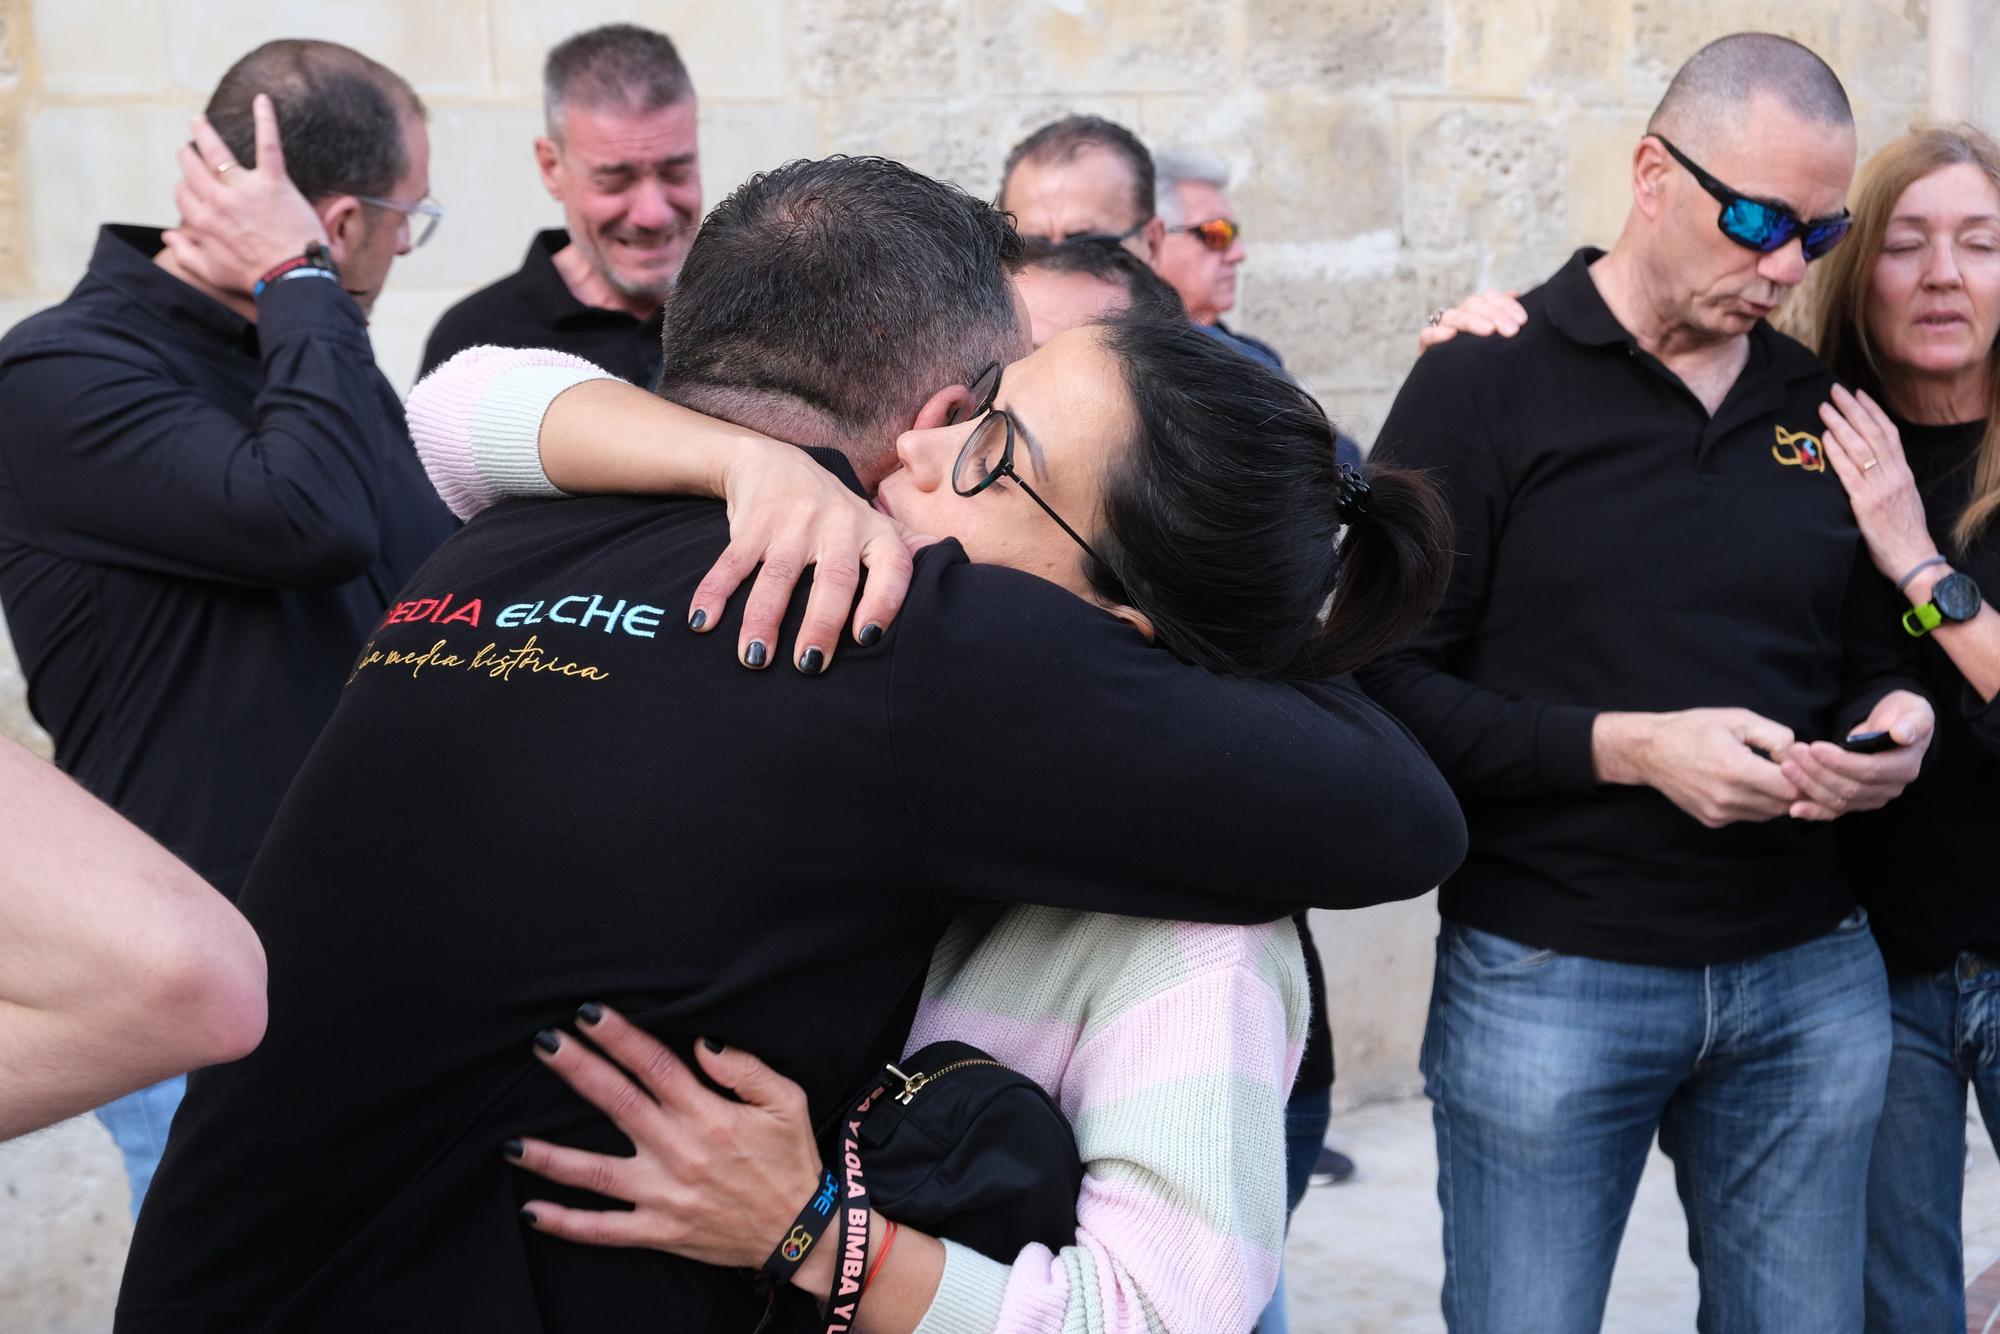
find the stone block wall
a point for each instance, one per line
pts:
(1390, 155)
(1390, 152)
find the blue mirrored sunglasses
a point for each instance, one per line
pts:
(1763, 225)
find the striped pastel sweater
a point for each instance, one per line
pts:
(1169, 1045)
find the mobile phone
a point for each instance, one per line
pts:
(1868, 743)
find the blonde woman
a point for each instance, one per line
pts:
(1906, 316)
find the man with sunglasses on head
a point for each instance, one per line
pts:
(207, 492)
(1660, 628)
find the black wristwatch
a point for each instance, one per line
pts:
(1954, 598)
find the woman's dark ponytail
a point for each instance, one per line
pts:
(1395, 559)
(1224, 522)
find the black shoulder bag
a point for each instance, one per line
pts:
(951, 1142)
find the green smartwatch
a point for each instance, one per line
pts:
(1954, 598)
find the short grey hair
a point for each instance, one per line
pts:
(1171, 169)
(1730, 71)
(620, 66)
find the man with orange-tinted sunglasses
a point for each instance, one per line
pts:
(1203, 245)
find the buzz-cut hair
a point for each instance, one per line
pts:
(1061, 140)
(1727, 73)
(618, 67)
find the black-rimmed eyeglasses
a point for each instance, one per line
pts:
(988, 453)
(426, 208)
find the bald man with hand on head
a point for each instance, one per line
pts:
(1661, 624)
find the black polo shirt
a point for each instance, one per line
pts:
(201, 518)
(533, 307)
(540, 788)
(1923, 865)
(1619, 549)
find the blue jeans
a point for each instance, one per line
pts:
(138, 1123)
(1549, 1075)
(1306, 1118)
(1947, 1032)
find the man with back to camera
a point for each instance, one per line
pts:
(620, 153)
(597, 805)
(207, 491)
(1660, 625)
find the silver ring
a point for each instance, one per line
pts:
(223, 168)
(1437, 318)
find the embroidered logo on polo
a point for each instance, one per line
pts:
(1799, 449)
(592, 612)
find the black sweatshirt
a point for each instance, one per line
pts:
(1922, 864)
(1618, 549)
(200, 520)
(533, 307)
(541, 789)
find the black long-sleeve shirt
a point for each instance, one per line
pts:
(1620, 549)
(533, 307)
(200, 520)
(1922, 865)
(540, 788)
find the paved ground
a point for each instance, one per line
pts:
(1364, 1255)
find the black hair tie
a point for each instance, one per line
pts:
(1355, 495)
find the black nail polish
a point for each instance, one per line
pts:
(870, 636)
(528, 1217)
(549, 1041)
(812, 662)
(511, 1149)
(712, 1045)
(699, 619)
(754, 655)
(589, 1012)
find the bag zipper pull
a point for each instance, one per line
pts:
(911, 1084)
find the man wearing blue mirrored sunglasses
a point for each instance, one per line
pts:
(1660, 620)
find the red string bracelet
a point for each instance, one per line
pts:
(888, 1243)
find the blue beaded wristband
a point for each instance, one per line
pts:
(303, 271)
